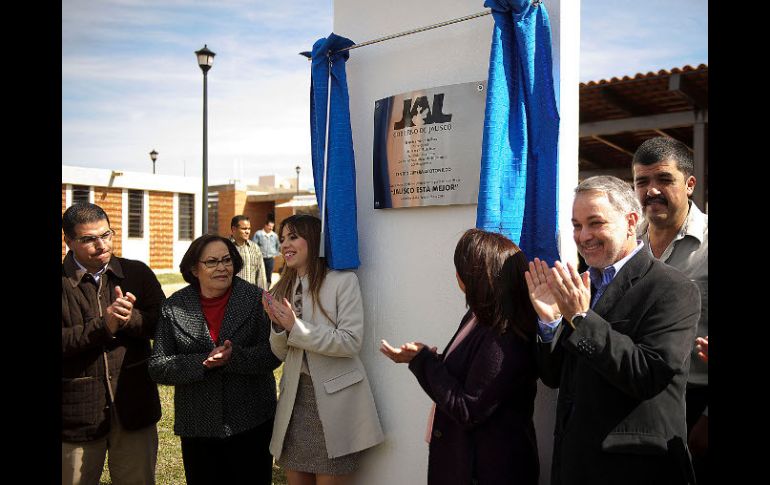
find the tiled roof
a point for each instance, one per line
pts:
(646, 75)
(644, 94)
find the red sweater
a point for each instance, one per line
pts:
(214, 311)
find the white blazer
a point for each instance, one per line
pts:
(343, 396)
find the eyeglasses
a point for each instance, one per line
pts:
(213, 263)
(91, 240)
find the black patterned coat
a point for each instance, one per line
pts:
(225, 401)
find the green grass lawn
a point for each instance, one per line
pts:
(170, 278)
(169, 470)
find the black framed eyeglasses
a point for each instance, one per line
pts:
(213, 263)
(91, 240)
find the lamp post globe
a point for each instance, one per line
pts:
(153, 157)
(297, 168)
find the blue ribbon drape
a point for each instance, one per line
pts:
(519, 184)
(339, 208)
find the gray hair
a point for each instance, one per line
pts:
(619, 193)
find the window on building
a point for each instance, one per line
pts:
(186, 217)
(80, 193)
(135, 213)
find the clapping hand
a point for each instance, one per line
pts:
(279, 312)
(219, 356)
(557, 291)
(539, 293)
(570, 289)
(702, 346)
(119, 312)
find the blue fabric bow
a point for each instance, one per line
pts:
(518, 186)
(339, 208)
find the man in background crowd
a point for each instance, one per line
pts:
(253, 269)
(268, 242)
(675, 231)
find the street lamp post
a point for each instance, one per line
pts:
(153, 157)
(297, 169)
(205, 60)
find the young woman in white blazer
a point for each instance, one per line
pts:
(326, 413)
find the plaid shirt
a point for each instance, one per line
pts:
(253, 269)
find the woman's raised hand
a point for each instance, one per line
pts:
(403, 354)
(279, 312)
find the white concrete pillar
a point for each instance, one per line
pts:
(407, 275)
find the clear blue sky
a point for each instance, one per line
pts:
(131, 84)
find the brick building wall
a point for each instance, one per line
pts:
(257, 213)
(161, 230)
(111, 200)
(282, 213)
(231, 203)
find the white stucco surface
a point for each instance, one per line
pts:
(407, 275)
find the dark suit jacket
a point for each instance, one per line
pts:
(622, 373)
(484, 394)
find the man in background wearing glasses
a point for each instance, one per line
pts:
(110, 309)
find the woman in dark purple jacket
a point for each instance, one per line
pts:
(484, 383)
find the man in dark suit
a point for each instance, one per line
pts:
(616, 341)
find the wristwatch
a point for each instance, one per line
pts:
(576, 318)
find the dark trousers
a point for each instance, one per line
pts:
(269, 265)
(237, 460)
(596, 467)
(697, 400)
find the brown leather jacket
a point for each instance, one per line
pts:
(100, 369)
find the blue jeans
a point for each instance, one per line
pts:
(269, 264)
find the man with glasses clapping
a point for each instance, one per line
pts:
(110, 308)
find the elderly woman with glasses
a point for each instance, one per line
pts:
(212, 344)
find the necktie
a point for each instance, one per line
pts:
(607, 276)
(297, 302)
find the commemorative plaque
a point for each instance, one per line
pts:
(427, 146)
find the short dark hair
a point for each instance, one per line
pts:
(492, 268)
(237, 219)
(193, 255)
(270, 218)
(662, 148)
(81, 213)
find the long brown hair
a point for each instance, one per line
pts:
(492, 269)
(307, 227)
